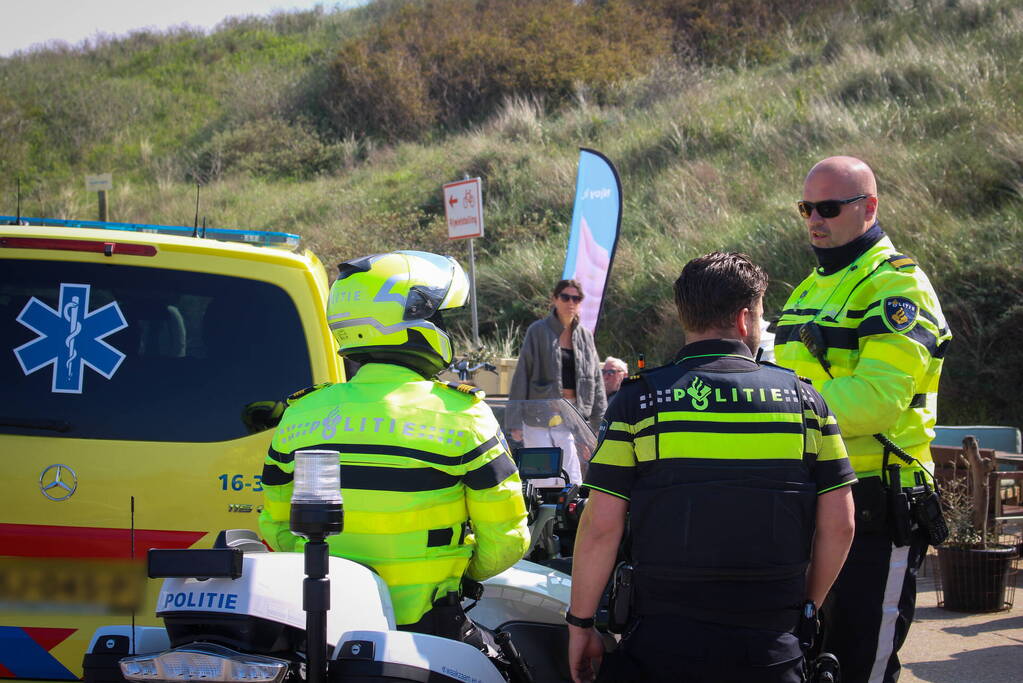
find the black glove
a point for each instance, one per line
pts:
(471, 589)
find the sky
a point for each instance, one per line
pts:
(24, 23)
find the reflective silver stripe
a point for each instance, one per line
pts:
(897, 565)
(383, 329)
(385, 294)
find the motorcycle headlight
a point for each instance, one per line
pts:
(204, 662)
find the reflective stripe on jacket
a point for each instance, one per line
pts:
(886, 339)
(418, 461)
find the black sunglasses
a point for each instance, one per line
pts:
(570, 297)
(829, 208)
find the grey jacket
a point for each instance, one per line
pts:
(538, 373)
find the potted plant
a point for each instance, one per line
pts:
(975, 569)
(488, 364)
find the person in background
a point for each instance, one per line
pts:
(736, 484)
(615, 370)
(866, 327)
(558, 359)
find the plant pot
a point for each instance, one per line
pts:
(976, 579)
(505, 370)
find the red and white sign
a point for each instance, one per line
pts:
(463, 206)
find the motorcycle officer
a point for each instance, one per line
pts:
(430, 491)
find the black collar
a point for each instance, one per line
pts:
(714, 348)
(836, 258)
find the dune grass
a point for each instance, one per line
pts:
(929, 93)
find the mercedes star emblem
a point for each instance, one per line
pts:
(58, 482)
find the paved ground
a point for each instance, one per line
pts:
(952, 647)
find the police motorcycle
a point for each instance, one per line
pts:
(237, 613)
(550, 428)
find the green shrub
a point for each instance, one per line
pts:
(269, 147)
(728, 31)
(421, 69)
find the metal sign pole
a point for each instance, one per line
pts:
(472, 294)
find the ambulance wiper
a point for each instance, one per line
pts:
(46, 425)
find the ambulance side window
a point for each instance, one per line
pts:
(102, 351)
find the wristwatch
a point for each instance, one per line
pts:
(576, 621)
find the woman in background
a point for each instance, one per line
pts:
(559, 360)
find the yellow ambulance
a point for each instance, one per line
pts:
(142, 370)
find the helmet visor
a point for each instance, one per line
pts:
(425, 300)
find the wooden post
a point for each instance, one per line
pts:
(980, 468)
(102, 204)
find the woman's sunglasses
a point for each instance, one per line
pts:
(829, 208)
(570, 297)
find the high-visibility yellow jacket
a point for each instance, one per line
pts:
(886, 338)
(430, 491)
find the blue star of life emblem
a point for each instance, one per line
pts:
(70, 338)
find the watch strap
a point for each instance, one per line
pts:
(576, 621)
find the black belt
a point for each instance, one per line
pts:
(781, 620)
(686, 574)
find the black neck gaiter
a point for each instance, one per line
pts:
(836, 258)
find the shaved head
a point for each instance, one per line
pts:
(850, 172)
(840, 178)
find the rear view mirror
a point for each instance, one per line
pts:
(538, 463)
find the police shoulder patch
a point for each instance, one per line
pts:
(901, 262)
(468, 389)
(899, 313)
(602, 432)
(638, 375)
(305, 392)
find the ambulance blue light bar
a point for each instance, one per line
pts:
(265, 238)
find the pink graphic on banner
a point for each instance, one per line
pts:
(591, 267)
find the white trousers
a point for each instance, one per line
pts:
(536, 437)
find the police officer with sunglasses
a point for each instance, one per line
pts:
(866, 327)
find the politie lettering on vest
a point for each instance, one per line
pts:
(333, 422)
(701, 392)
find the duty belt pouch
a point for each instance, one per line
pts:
(926, 512)
(449, 619)
(871, 506)
(620, 602)
(900, 526)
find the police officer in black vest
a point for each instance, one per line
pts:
(736, 485)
